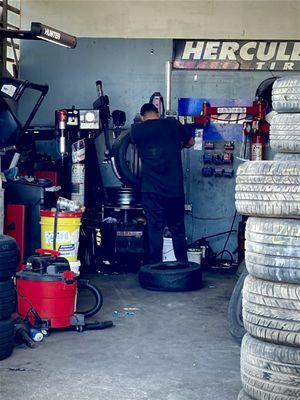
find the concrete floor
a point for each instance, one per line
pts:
(174, 346)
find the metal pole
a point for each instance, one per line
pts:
(168, 85)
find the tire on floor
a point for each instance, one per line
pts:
(271, 311)
(244, 396)
(7, 299)
(268, 189)
(270, 371)
(273, 249)
(285, 133)
(286, 94)
(234, 314)
(6, 338)
(171, 276)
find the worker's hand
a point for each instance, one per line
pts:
(190, 143)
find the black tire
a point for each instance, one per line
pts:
(285, 133)
(270, 371)
(9, 257)
(264, 90)
(234, 314)
(241, 268)
(271, 311)
(6, 350)
(286, 157)
(7, 299)
(119, 161)
(268, 189)
(273, 249)
(6, 338)
(171, 276)
(244, 396)
(6, 328)
(286, 94)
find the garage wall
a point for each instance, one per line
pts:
(235, 19)
(132, 69)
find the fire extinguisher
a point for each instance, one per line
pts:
(257, 132)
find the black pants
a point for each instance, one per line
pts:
(160, 212)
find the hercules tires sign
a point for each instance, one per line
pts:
(236, 54)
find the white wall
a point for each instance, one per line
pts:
(256, 19)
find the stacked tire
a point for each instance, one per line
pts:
(269, 193)
(8, 265)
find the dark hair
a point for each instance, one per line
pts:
(148, 107)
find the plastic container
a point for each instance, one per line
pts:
(36, 335)
(67, 237)
(168, 251)
(195, 255)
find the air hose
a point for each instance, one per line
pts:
(83, 284)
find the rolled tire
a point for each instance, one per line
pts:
(234, 315)
(286, 94)
(270, 371)
(286, 157)
(244, 396)
(171, 276)
(119, 161)
(6, 338)
(273, 249)
(268, 189)
(271, 311)
(7, 299)
(285, 133)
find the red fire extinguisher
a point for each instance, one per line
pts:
(257, 132)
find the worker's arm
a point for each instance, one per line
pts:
(186, 138)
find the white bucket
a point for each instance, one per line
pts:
(194, 255)
(168, 251)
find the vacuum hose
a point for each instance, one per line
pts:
(83, 284)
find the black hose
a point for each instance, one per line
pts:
(97, 295)
(212, 236)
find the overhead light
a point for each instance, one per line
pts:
(52, 35)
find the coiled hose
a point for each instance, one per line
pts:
(83, 284)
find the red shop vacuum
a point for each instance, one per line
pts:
(47, 292)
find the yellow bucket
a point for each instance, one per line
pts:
(67, 236)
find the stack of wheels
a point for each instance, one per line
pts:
(269, 193)
(8, 265)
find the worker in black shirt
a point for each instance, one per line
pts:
(159, 143)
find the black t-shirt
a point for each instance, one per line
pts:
(159, 143)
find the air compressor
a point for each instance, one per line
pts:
(47, 291)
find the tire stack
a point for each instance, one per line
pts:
(269, 193)
(9, 255)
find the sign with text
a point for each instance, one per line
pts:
(236, 54)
